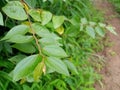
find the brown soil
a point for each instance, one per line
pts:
(111, 71)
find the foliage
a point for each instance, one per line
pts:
(48, 48)
(116, 3)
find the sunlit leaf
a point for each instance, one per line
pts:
(38, 71)
(49, 41)
(58, 21)
(90, 31)
(46, 17)
(100, 31)
(25, 67)
(1, 19)
(84, 21)
(60, 30)
(42, 31)
(53, 50)
(35, 14)
(20, 39)
(111, 29)
(14, 9)
(20, 29)
(57, 65)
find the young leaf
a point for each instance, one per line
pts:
(100, 31)
(25, 47)
(111, 29)
(38, 71)
(1, 19)
(14, 9)
(35, 14)
(58, 21)
(53, 50)
(60, 30)
(46, 17)
(71, 66)
(20, 39)
(25, 67)
(57, 65)
(20, 29)
(90, 31)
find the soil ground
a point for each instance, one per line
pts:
(111, 71)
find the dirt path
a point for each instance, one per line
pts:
(111, 72)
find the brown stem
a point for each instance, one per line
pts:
(33, 32)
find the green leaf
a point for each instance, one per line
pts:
(46, 17)
(14, 9)
(31, 3)
(7, 47)
(25, 67)
(20, 39)
(17, 58)
(100, 31)
(111, 29)
(35, 14)
(90, 31)
(84, 21)
(25, 47)
(102, 25)
(92, 23)
(20, 29)
(49, 41)
(38, 71)
(42, 31)
(58, 21)
(71, 66)
(53, 50)
(1, 19)
(57, 65)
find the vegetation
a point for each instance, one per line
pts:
(46, 44)
(116, 3)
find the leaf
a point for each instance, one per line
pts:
(20, 29)
(17, 58)
(58, 21)
(46, 17)
(100, 31)
(38, 71)
(57, 65)
(84, 21)
(20, 39)
(1, 19)
(60, 30)
(14, 9)
(92, 23)
(111, 29)
(25, 67)
(53, 50)
(25, 47)
(49, 41)
(7, 47)
(102, 25)
(35, 14)
(41, 31)
(71, 66)
(90, 31)
(31, 3)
